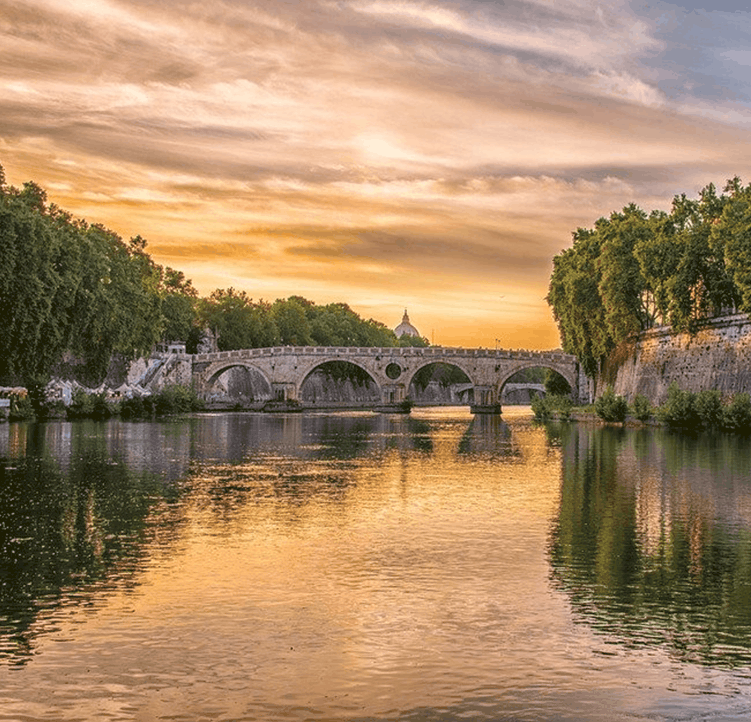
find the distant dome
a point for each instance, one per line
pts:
(405, 328)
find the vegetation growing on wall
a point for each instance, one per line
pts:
(635, 270)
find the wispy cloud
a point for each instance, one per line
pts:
(383, 152)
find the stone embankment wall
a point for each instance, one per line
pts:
(716, 357)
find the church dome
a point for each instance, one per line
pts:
(405, 328)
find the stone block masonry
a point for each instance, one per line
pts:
(718, 356)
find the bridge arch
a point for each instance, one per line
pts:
(457, 363)
(214, 371)
(413, 374)
(323, 364)
(567, 373)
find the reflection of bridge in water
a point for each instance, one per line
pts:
(281, 372)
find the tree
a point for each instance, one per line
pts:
(574, 296)
(622, 286)
(731, 238)
(292, 322)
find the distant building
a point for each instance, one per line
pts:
(405, 328)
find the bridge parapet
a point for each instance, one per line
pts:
(439, 351)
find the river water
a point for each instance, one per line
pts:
(357, 566)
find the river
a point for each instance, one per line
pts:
(357, 566)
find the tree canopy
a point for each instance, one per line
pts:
(70, 288)
(635, 270)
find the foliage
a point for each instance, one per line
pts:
(541, 408)
(240, 322)
(737, 414)
(709, 408)
(555, 384)
(444, 374)
(176, 400)
(533, 375)
(20, 408)
(706, 410)
(545, 407)
(406, 341)
(634, 270)
(679, 409)
(611, 407)
(91, 406)
(642, 408)
(70, 289)
(68, 286)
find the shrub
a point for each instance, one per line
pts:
(133, 408)
(21, 408)
(81, 405)
(610, 406)
(53, 410)
(541, 408)
(679, 409)
(709, 409)
(90, 406)
(737, 414)
(642, 407)
(176, 400)
(562, 404)
(544, 407)
(101, 408)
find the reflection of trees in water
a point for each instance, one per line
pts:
(648, 544)
(73, 532)
(82, 504)
(297, 459)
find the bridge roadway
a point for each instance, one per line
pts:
(284, 370)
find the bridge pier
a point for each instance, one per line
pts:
(485, 401)
(394, 399)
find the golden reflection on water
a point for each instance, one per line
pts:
(361, 566)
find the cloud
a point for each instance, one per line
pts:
(363, 149)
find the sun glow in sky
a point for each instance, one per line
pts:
(385, 153)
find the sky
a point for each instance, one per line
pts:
(389, 154)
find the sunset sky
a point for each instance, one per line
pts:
(386, 153)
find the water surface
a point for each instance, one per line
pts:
(358, 566)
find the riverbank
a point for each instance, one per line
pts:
(684, 410)
(591, 417)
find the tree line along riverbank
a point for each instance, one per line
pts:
(74, 294)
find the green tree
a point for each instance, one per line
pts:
(237, 321)
(700, 286)
(577, 305)
(622, 286)
(292, 322)
(731, 238)
(179, 300)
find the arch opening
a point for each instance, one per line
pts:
(525, 384)
(239, 386)
(339, 383)
(441, 384)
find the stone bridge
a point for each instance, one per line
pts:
(285, 369)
